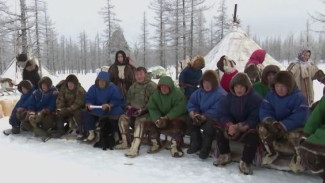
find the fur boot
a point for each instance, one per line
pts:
(245, 168)
(124, 144)
(134, 150)
(175, 149)
(223, 160)
(155, 147)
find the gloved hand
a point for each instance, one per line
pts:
(231, 131)
(106, 107)
(31, 116)
(130, 111)
(242, 127)
(197, 118)
(161, 122)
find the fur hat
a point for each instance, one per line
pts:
(286, 78)
(253, 72)
(210, 76)
(197, 62)
(269, 69)
(225, 61)
(26, 84)
(46, 80)
(22, 57)
(72, 78)
(241, 79)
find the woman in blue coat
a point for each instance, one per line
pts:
(19, 112)
(237, 121)
(283, 110)
(108, 98)
(202, 107)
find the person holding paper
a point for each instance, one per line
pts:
(106, 94)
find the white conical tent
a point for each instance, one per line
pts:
(15, 73)
(238, 46)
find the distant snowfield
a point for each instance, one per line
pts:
(27, 159)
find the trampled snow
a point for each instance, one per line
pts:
(27, 159)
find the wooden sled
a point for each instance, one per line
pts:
(7, 87)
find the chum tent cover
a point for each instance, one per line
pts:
(238, 46)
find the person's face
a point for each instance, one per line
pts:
(24, 90)
(281, 89)
(306, 56)
(164, 89)
(71, 85)
(270, 77)
(140, 76)
(44, 87)
(120, 58)
(207, 86)
(240, 90)
(101, 83)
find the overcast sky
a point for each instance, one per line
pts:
(265, 17)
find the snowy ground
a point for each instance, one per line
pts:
(25, 158)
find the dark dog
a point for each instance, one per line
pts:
(106, 138)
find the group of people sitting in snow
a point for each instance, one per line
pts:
(260, 107)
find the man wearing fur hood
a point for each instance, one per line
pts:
(190, 76)
(238, 118)
(41, 108)
(283, 112)
(202, 107)
(263, 87)
(19, 112)
(30, 71)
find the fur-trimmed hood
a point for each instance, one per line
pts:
(72, 78)
(242, 79)
(286, 78)
(26, 84)
(197, 62)
(46, 80)
(210, 76)
(269, 69)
